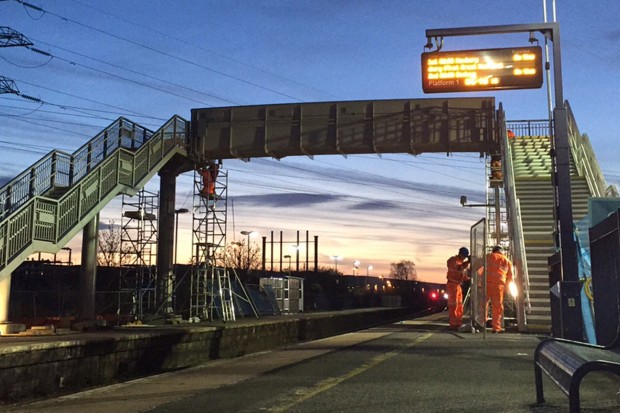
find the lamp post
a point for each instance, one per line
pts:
(368, 270)
(289, 262)
(296, 247)
(336, 258)
(248, 233)
(356, 267)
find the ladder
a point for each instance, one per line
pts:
(225, 294)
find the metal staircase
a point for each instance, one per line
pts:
(531, 165)
(45, 206)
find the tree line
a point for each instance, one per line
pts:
(113, 252)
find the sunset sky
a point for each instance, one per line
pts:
(149, 60)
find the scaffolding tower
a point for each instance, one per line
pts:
(138, 249)
(212, 291)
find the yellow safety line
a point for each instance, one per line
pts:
(334, 381)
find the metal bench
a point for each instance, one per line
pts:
(567, 362)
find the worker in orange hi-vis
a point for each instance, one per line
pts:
(457, 274)
(209, 176)
(499, 274)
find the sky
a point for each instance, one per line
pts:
(149, 60)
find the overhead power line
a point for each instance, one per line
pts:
(29, 46)
(34, 49)
(152, 49)
(88, 112)
(129, 111)
(131, 71)
(170, 36)
(8, 86)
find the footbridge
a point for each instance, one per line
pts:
(48, 204)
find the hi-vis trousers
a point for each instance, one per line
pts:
(455, 304)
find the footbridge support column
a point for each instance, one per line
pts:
(166, 242)
(89, 268)
(5, 294)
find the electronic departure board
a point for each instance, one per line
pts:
(475, 70)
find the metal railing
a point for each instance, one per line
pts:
(536, 127)
(585, 160)
(59, 169)
(50, 199)
(514, 209)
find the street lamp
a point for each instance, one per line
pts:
(368, 270)
(356, 265)
(248, 233)
(296, 247)
(336, 258)
(464, 203)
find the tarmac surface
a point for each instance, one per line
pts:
(453, 371)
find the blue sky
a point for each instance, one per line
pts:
(149, 60)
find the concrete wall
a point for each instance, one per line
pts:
(41, 367)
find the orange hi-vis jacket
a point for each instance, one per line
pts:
(456, 270)
(499, 269)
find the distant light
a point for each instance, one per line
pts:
(445, 296)
(434, 295)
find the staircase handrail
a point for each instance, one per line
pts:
(61, 169)
(585, 160)
(513, 209)
(521, 257)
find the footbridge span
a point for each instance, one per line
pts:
(354, 127)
